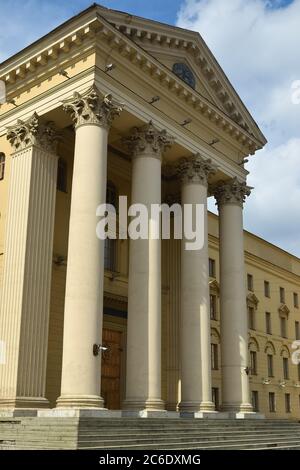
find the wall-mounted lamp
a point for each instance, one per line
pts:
(12, 101)
(97, 348)
(154, 99)
(214, 141)
(247, 370)
(109, 68)
(186, 121)
(243, 162)
(64, 73)
(266, 381)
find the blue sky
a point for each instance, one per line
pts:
(257, 42)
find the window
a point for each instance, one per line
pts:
(296, 300)
(268, 323)
(212, 267)
(213, 307)
(214, 357)
(250, 282)
(2, 165)
(253, 363)
(272, 402)
(215, 397)
(282, 295)
(62, 174)
(267, 288)
(283, 327)
(255, 404)
(251, 317)
(270, 365)
(285, 364)
(287, 399)
(110, 244)
(297, 330)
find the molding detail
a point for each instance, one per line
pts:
(283, 310)
(252, 300)
(196, 169)
(232, 192)
(147, 140)
(91, 107)
(32, 132)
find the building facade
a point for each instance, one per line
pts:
(109, 104)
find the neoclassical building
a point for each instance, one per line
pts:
(110, 104)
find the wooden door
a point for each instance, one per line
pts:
(111, 368)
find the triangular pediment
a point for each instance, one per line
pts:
(173, 45)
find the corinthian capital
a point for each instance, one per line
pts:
(232, 192)
(148, 140)
(92, 108)
(33, 132)
(196, 169)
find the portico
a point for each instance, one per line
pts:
(59, 293)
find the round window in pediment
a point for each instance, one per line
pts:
(184, 72)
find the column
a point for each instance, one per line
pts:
(27, 266)
(230, 197)
(81, 369)
(195, 312)
(143, 378)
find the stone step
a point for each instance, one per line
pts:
(174, 444)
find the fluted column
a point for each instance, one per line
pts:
(195, 312)
(25, 299)
(81, 369)
(143, 377)
(230, 197)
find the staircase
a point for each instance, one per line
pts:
(147, 434)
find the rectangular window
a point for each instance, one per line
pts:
(214, 357)
(297, 330)
(272, 403)
(251, 316)
(212, 267)
(296, 300)
(285, 364)
(250, 282)
(2, 166)
(62, 175)
(110, 251)
(268, 323)
(215, 397)
(283, 327)
(255, 403)
(213, 307)
(270, 365)
(282, 295)
(267, 288)
(287, 399)
(253, 363)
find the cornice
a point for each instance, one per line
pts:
(98, 27)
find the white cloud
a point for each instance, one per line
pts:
(259, 49)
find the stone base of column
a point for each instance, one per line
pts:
(149, 408)
(237, 407)
(248, 415)
(79, 413)
(189, 406)
(138, 404)
(80, 401)
(203, 415)
(22, 406)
